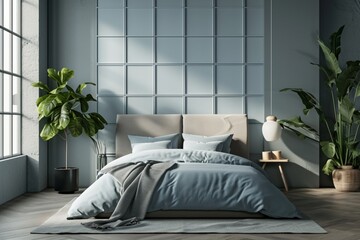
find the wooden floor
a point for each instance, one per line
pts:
(338, 213)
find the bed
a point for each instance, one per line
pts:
(212, 179)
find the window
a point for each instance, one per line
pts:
(10, 78)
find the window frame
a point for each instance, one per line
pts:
(10, 71)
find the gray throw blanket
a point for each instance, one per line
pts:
(138, 181)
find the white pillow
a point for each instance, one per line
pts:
(139, 147)
(174, 138)
(225, 139)
(207, 146)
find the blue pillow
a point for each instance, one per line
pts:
(139, 147)
(207, 146)
(225, 139)
(173, 138)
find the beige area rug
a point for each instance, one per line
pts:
(58, 224)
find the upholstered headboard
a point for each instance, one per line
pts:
(163, 124)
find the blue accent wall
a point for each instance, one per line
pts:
(194, 56)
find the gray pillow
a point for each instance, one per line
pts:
(225, 139)
(173, 138)
(139, 147)
(207, 146)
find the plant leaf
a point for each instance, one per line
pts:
(328, 148)
(40, 99)
(75, 126)
(53, 74)
(329, 166)
(47, 105)
(64, 119)
(299, 128)
(347, 109)
(65, 75)
(84, 105)
(307, 99)
(48, 132)
(83, 85)
(330, 58)
(335, 41)
(89, 97)
(41, 85)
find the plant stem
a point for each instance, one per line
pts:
(66, 149)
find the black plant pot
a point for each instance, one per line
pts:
(66, 179)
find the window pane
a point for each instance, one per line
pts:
(7, 93)
(16, 55)
(1, 134)
(7, 51)
(1, 47)
(7, 135)
(16, 16)
(1, 94)
(7, 14)
(16, 134)
(16, 95)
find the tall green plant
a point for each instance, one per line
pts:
(343, 120)
(66, 109)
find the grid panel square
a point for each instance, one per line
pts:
(199, 3)
(169, 4)
(139, 79)
(255, 4)
(199, 80)
(255, 50)
(255, 21)
(169, 80)
(229, 105)
(139, 4)
(140, 22)
(169, 22)
(107, 136)
(140, 105)
(255, 79)
(255, 108)
(111, 22)
(108, 107)
(111, 3)
(230, 79)
(199, 105)
(199, 22)
(229, 21)
(140, 50)
(110, 50)
(230, 3)
(169, 105)
(111, 80)
(169, 50)
(230, 50)
(199, 50)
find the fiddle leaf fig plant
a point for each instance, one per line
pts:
(342, 121)
(66, 109)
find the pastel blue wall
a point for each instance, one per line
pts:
(199, 56)
(177, 56)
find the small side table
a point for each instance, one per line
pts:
(279, 161)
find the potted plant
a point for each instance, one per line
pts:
(66, 113)
(342, 121)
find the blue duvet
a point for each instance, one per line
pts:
(202, 180)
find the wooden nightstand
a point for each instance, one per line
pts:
(279, 161)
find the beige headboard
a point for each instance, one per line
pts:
(162, 124)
